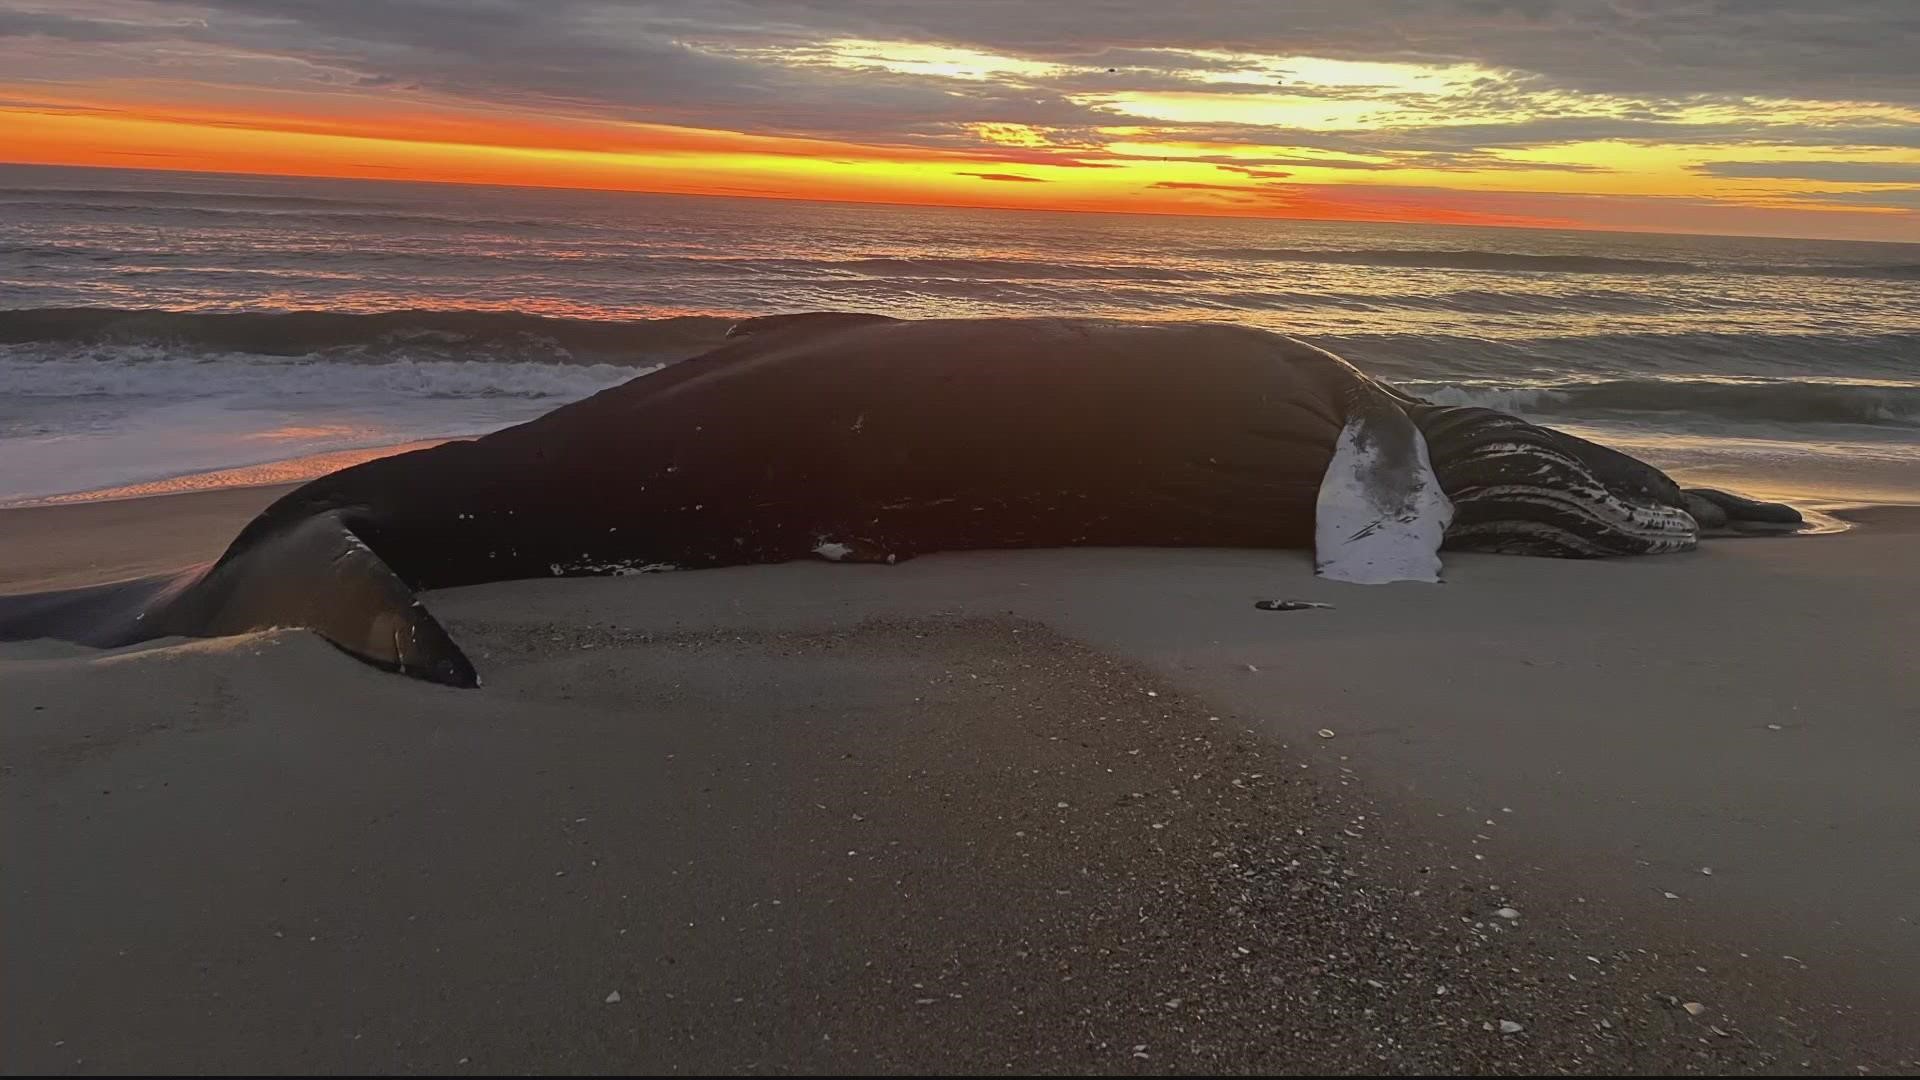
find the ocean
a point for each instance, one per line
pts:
(163, 331)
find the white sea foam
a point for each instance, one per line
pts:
(160, 324)
(157, 371)
(106, 416)
(1879, 402)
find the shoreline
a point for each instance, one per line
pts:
(1824, 494)
(280, 472)
(74, 540)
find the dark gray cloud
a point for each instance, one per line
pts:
(628, 62)
(67, 28)
(1011, 178)
(1549, 131)
(1900, 198)
(1832, 50)
(1851, 172)
(742, 64)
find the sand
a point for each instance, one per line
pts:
(60, 547)
(1065, 811)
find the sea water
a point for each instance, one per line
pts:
(156, 325)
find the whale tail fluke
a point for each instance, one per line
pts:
(313, 574)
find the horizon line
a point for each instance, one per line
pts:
(1569, 227)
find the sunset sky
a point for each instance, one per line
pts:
(1773, 117)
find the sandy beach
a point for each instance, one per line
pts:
(1060, 810)
(403, 421)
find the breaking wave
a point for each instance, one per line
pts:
(1785, 401)
(1515, 262)
(152, 373)
(379, 336)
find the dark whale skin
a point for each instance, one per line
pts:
(862, 438)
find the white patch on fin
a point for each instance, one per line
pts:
(832, 550)
(1381, 515)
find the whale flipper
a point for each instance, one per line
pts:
(1381, 515)
(318, 574)
(1725, 513)
(314, 574)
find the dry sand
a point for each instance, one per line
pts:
(1064, 811)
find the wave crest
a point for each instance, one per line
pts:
(151, 373)
(1798, 401)
(373, 336)
(1516, 262)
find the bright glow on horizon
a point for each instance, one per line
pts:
(1163, 129)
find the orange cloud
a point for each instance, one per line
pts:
(495, 146)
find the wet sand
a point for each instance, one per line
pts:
(61, 547)
(811, 817)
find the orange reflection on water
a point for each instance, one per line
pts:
(289, 471)
(306, 431)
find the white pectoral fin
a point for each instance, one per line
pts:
(1381, 515)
